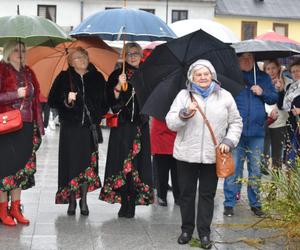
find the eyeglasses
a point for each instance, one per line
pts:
(134, 54)
(79, 58)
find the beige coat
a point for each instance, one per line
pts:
(193, 142)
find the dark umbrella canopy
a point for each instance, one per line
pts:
(163, 74)
(264, 50)
(136, 25)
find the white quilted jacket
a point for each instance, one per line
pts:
(193, 142)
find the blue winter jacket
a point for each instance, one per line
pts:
(252, 107)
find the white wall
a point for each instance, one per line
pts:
(69, 11)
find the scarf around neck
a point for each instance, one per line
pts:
(202, 91)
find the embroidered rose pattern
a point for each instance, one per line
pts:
(90, 176)
(24, 178)
(110, 191)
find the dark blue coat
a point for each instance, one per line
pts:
(252, 107)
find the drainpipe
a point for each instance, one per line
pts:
(167, 10)
(81, 10)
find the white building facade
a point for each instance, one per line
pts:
(69, 13)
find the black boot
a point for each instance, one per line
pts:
(131, 208)
(124, 207)
(84, 209)
(72, 204)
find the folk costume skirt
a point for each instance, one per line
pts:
(128, 156)
(18, 158)
(77, 162)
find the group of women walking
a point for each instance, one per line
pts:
(82, 97)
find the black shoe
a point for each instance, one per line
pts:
(176, 201)
(257, 211)
(72, 204)
(184, 238)
(123, 210)
(170, 188)
(71, 209)
(131, 209)
(205, 242)
(228, 211)
(162, 202)
(84, 209)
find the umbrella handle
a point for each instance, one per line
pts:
(124, 86)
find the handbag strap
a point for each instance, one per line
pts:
(25, 85)
(205, 120)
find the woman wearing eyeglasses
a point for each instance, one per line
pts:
(128, 172)
(78, 95)
(19, 89)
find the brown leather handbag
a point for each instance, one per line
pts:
(224, 161)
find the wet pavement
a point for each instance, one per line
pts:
(154, 227)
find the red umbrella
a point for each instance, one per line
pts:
(274, 36)
(149, 48)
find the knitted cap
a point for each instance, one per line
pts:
(200, 64)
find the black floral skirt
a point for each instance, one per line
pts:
(77, 163)
(128, 155)
(18, 158)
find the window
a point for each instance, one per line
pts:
(47, 11)
(149, 10)
(178, 15)
(281, 28)
(249, 30)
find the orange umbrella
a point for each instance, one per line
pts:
(48, 62)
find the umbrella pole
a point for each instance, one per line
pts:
(125, 85)
(254, 74)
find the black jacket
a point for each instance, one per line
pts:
(90, 89)
(127, 103)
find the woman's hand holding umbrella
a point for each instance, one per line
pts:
(122, 82)
(72, 97)
(22, 92)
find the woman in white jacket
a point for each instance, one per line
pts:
(194, 148)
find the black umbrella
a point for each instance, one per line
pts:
(264, 50)
(163, 74)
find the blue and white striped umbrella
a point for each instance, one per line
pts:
(136, 25)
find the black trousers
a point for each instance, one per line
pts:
(164, 164)
(275, 139)
(46, 113)
(188, 176)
